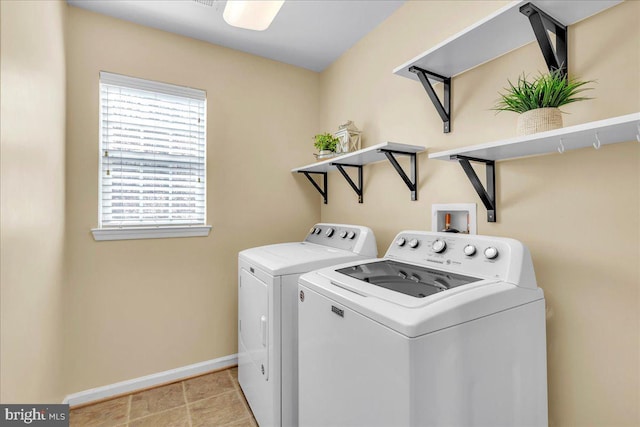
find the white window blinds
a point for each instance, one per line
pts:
(152, 153)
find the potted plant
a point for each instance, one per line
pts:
(538, 101)
(326, 144)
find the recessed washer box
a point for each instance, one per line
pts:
(462, 217)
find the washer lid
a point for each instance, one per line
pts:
(409, 279)
(295, 258)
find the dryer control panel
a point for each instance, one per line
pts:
(482, 256)
(354, 238)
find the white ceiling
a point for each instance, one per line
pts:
(306, 33)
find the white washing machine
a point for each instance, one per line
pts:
(268, 313)
(445, 330)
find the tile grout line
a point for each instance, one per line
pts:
(184, 393)
(164, 411)
(236, 386)
(129, 408)
(209, 397)
(213, 395)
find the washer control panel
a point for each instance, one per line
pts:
(490, 257)
(341, 236)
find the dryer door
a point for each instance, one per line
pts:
(253, 315)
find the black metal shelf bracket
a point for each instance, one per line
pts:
(488, 195)
(542, 25)
(443, 108)
(356, 188)
(323, 192)
(411, 182)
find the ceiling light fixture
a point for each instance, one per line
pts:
(251, 14)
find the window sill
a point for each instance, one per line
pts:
(135, 233)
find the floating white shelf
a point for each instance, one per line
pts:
(361, 157)
(602, 132)
(357, 159)
(499, 33)
(609, 131)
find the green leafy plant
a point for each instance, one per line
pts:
(547, 91)
(326, 141)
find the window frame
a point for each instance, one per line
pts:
(130, 232)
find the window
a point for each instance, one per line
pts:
(152, 159)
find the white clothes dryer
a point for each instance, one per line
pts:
(445, 330)
(268, 313)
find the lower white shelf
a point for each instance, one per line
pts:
(602, 132)
(358, 159)
(365, 156)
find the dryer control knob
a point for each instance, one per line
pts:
(351, 235)
(343, 234)
(414, 243)
(401, 241)
(491, 252)
(312, 231)
(469, 250)
(329, 232)
(439, 246)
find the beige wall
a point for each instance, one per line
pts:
(140, 307)
(137, 307)
(32, 200)
(578, 212)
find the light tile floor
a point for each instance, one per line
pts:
(209, 400)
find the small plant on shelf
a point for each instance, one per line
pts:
(538, 101)
(325, 143)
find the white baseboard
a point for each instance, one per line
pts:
(104, 392)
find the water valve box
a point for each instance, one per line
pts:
(452, 217)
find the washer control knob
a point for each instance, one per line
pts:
(414, 243)
(469, 250)
(439, 246)
(329, 232)
(312, 231)
(491, 253)
(343, 234)
(401, 241)
(351, 235)
(318, 230)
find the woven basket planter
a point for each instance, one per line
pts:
(539, 120)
